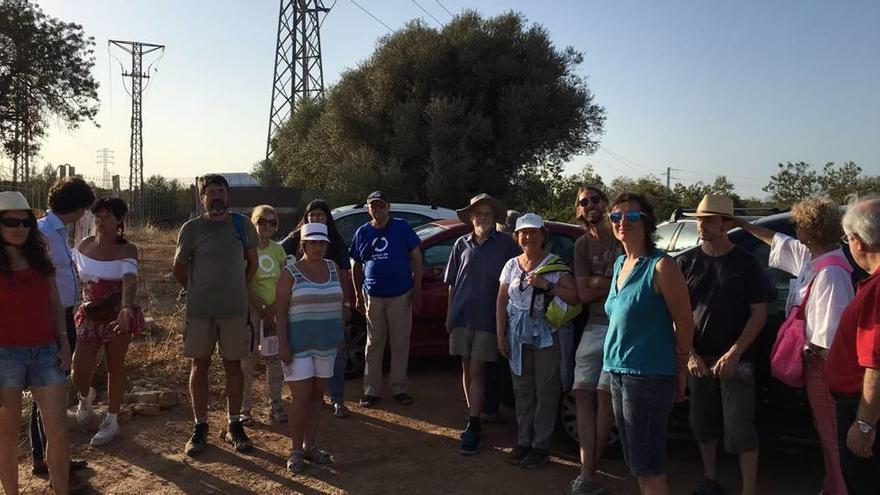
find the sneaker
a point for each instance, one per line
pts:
(340, 411)
(199, 441)
(517, 455)
(246, 419)
(238, 438)
(109, 429)
(580, 486)
(295, 462)
(368, 401)
(279, 416)
(535, 459)
(708, 487)
(470, 443)
(84, 411)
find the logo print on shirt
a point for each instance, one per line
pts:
(379, 245)
(267, 264)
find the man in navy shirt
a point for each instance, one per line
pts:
(387, 277)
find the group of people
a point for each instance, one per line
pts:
(655, 327)
(51, 333)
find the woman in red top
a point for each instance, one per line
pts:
(34, 351)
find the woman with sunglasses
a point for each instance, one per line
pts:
(650, 333)
(34, 351)
(528, 340)
(109, 315)
(272, 260)
(823, 272)
(319, 211)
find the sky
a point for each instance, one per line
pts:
(706, 88)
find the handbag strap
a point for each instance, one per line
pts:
(821, 265)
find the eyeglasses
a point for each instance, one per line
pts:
(587, 201)
(845, 239)
(19, 222)
(631, 216)
(262, 222)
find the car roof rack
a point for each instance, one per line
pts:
(678, 213)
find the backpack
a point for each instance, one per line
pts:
(238, 222)
(558, 312)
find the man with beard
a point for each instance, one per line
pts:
(216, 260)
(594, 256)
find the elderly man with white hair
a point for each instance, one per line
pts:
(853, 367)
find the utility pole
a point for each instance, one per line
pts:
(137, 50)
(668, 177)
(105, 160)
(299, 73)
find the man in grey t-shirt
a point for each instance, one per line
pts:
(216, 260)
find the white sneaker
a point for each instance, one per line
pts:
(84, 411)
(109, 429)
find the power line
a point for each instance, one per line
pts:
(444, 8)
(626, 160)
(426, 11)
(371, 15)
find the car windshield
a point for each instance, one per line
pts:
(427, 230)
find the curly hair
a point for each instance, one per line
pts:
(70, 194)
(649, 218)
(819, 218)
(34, 249)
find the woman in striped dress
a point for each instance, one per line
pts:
(309, 297)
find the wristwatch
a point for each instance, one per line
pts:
(550, 286)
(864, 427)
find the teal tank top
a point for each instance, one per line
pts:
(641, 337)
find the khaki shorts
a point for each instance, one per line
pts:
(202, 334)
(482, 346)
(588, 359)
(725, 407)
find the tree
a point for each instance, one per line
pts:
(552, 194)
(665, 200)
(45, 70)
(483, 105)
(839, 182)
(797, 181)
(690, 196)
(792, 183)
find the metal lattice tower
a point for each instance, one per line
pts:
(137, 75)
(299, 73)
(105, 160)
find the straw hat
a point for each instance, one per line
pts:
(714, 205)
(14, 200)
(464, 214)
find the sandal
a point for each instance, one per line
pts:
(295, 462)
(318, 456)
(404, 399)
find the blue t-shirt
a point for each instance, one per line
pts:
(641, 336)
(385, 255)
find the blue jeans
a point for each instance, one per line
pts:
(337, 383)
(37, 435)
(642, 405)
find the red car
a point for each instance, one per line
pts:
(429, 337)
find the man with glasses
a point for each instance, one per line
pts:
(472, 276)
(729, 294)
(853, 367)
(215, 262)
(387, 277)
(594, 255)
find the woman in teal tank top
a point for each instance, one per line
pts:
(650, 333)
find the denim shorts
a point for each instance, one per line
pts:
(27, 367)
(642, 405)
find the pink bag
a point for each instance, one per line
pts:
(787, 356)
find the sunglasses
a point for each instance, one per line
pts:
(262, 222)
(589, 200)
(845, 239)
(631, 216)
(19, 222)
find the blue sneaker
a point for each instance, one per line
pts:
(470, 443)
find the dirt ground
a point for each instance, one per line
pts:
(387, 449)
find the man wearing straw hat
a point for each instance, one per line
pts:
(729, 294)
(472, 275)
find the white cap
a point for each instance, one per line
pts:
(529, 221)
(314, 231)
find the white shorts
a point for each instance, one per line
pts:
(308, 367)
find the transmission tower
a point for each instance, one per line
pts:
(137, 50)
(105, 160)
(298, 70)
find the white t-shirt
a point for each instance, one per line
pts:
(831, 292)
(519, 291)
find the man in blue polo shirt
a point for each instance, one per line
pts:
(387, 276)
(472, 275)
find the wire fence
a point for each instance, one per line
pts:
(162, 202)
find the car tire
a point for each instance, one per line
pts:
(355, 349)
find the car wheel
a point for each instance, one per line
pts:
(355, 359)
(568, 426)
